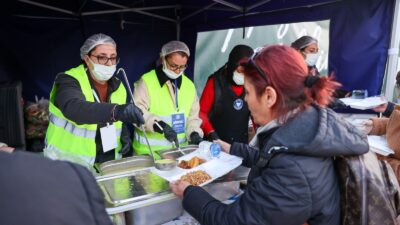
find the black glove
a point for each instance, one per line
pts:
(129, 113)
(195, 138)
(169, 133)
(212, 136)
(126, 140)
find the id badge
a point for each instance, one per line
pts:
(178, 123)
(108, 137)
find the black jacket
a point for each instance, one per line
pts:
(298, 185)
(70, 99)
(225, 110)
(39, 191)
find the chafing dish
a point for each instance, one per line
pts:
(125, 165)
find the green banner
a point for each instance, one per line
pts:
(213, 47)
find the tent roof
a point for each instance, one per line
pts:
(155, 11)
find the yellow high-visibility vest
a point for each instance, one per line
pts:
(162, 105)
(67, 140)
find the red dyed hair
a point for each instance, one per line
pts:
(285, 70)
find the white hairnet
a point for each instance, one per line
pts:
(303, 42)
(94, 40)
(174, 46)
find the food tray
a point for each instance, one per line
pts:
(216, 168)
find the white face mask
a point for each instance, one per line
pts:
(311, 58)
(238, 78)
(102, 72)
(171, 74)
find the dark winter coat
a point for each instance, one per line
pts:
(38, 191)
(298, 185)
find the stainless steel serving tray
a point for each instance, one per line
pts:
(174, 153)
(125, 165)
(131, 187)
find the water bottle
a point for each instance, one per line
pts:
(359, 94)
(209, 149)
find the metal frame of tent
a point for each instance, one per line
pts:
(221, 5)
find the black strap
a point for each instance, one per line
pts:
(266, 156)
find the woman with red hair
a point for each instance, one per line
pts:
(292, 178)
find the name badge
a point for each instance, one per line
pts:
(108, 137)
(178, 122)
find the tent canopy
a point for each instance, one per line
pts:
(42, 37)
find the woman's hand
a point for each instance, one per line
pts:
(367, 126)
(381, 108)
(178, 187)
(226, 147)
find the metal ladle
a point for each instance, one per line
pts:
(161, 164)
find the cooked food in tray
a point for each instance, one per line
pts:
(196, 177)
(193, 162)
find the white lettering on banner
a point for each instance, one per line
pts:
(282, 30)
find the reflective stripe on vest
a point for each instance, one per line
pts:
(69, 140)
(53, 152)
(71, 128)
(161, 104)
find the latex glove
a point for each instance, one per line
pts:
(367, 126)
(178, 187)
(212, 136)
(195, 138)
(129, 113)
(168, 132)
(126, 141)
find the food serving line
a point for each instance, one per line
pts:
(137, 193)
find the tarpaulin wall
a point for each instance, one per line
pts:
(35, 50)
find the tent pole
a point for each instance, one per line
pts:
(178, 30)
(48, 7)
(199, 11)
(255, 5)
(226, 3)
(393, 54)
(127, 9)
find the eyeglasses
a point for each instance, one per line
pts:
(176, 67)
(104, 59)
(258, 69)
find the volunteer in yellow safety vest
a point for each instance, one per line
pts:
(88, 106)
(169, 103)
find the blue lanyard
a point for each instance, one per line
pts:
(176, 95)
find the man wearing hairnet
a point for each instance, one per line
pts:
(169, 103)
(88, 108)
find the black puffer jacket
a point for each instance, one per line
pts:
(298, 185)
(38, 191)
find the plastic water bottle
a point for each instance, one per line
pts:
(209, 149)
